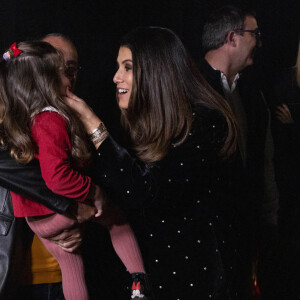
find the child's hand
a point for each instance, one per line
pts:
(98, 199)
(85, 212)
(81, 211)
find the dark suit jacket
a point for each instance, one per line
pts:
(251, 178)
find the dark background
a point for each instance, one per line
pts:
(96, 27)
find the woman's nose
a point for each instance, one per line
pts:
(117, 78)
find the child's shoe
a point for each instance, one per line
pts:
(141, 288)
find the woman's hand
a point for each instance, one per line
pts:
(284, 114)
(86, 114)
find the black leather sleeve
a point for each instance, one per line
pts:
(12, 231)
(27, 181)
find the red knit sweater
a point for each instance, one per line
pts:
(54, 147)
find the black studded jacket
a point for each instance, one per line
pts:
(182, 210)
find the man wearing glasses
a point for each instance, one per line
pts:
(230, 39)
(66, 46)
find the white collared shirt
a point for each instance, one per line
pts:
(225, 84)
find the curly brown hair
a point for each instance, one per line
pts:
(29, 83)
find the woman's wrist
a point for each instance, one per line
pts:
(91, 122)
(98, 134)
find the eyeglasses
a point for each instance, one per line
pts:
(71, 69)
(256, 32)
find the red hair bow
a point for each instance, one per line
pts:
(15, 50)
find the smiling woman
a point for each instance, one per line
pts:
(176, 186)
(123, 77)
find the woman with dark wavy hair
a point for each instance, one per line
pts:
(35, 122)
(175, 179)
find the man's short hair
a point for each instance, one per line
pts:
(219, 24)
(57, 34)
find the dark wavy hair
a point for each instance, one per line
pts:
(166, 84)
(28, 83)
